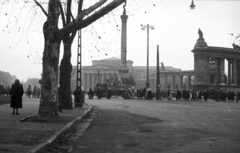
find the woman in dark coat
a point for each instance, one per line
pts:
(16, 93)
(109, 93)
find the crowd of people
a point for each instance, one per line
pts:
(217, 95)
(4, 91)
(178, 95)
(34, 93)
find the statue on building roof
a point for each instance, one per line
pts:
(124, 8)
(200, 33)
(200, 41)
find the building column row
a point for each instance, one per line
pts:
(188, 83)
(89, 80)
(233, 72)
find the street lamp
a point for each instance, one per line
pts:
(192, 6)
(143, 28)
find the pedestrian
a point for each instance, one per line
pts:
(205, 95)
(99, 93)
(29, 91)
(168, 94)
(109, 93)
(16, 93)
(90, 93)
(1, 89)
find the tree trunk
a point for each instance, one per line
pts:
(65, 75)
(48, 108)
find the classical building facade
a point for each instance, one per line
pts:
(101, 70)
(210, 63)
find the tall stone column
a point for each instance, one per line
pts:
(218, 70)
(181, 82)
(88, 80)
(173, 77)
(95, 79)
(124, 17)
(222, 69)
(189, 82)
(229, 72)
(234, 72)
(166, 82)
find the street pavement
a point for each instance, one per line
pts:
(21, 137)
(151, 126)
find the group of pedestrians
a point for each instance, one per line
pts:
(35, 92)
(190, 95)
(221, 96)
(4, 91)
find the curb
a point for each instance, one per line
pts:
(67, 127)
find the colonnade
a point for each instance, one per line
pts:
(233, 72)
(164, 81)
(89, 80)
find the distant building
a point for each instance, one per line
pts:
(107, 68)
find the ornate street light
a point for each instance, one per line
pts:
(192, 6)
(143, 28)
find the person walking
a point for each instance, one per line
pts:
(16, 93)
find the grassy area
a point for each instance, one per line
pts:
(4, 100)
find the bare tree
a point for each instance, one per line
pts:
(48, 108)
(65, 65)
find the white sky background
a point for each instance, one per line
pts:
(176, 31)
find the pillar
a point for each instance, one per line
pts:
(218, 70)
(90, 80)
(181, 82)
(166, 82)
(104, 77)
(84, 81)
(221, 68)
(95, 78)
(189, 82)
(229, 73)
(234, 72)
(124, 18)
(173, 77)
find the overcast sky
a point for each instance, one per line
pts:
(176, 32)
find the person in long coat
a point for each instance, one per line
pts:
(109, 93)
(90, 93)
(16, 93)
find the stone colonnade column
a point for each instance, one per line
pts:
(234, 73)
(166, 82)
(189, 82)
(181, 82)
(221, 69)
(229, 72)
(173, 77)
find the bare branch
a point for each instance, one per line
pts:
(38, 4)
(89, 20)
(92, 8)
(62, 14)
(72, 18)
(69, 6)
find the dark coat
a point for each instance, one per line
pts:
(16, 93)
(109, 94)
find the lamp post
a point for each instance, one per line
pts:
(143, 28)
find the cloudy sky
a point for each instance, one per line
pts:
(175, 31)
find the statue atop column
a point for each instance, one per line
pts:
(200, 41)
(124, 9)
(200, 33)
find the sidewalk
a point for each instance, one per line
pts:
(21, 137)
